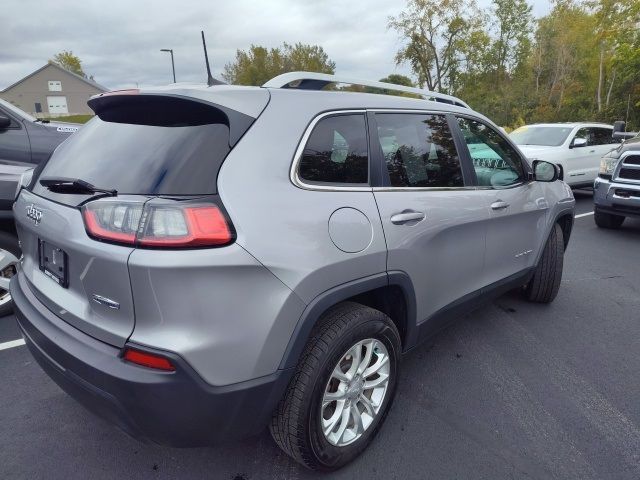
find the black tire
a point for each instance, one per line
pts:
(607, 220)
(9, 243)
(296, 424)
(544, 285)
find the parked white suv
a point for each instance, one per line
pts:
(576, 147)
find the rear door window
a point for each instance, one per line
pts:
(336, 152)
(419, 150)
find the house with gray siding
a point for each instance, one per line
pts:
(52, 91)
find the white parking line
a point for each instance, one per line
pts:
(583, 215)
(11, 344)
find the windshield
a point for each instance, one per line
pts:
(16, 111)
(544, 136)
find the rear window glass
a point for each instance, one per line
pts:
(142, 159)
(337, 152)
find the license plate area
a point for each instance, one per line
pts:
(54, 262)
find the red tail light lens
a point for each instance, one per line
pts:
(189, 226)
(95, 227)
(148, 360)
(160, 224)
(112, 220)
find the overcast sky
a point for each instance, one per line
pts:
(118, 41)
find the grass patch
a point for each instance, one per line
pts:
(72, 118)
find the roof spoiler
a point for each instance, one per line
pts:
(167, 110)
(317, 81)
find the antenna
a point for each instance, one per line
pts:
(210, 80)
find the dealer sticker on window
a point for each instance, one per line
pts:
(67, 129)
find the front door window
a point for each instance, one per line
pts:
(496, 162)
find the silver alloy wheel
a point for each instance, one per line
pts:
(8, 266)
(355, 392)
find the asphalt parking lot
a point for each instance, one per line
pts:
(513, 390)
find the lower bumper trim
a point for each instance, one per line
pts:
(170, 408)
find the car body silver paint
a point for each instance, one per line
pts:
(219, 308)
(444, 253)
(350, 230)
(282, 225)
(96, 268)
(230, 312)
(514, 229)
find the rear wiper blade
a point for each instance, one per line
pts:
(73, 185)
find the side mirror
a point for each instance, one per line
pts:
(619, 126)
(545, 171)
(5, 122)
(579, 142)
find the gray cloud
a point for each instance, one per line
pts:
(119, 41)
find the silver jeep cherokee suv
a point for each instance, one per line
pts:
(201, 262)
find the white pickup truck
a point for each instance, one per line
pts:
(576, 147)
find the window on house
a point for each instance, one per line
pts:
(55, 86)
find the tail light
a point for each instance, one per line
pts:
(158, 223)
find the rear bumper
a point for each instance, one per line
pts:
(170, 408)
(616, 198)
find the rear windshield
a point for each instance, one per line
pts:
(143, 159)
(543, 136)
(147, 144)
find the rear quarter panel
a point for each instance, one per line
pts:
(220, 309)
(286, 227)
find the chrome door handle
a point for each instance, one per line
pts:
(406, 217)
(499, 205)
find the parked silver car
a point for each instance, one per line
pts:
(201, 262)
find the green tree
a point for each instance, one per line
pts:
(69, 61)
(495, 60)
(435, 34)
(512, 25)
(580, 62)
(398, 79)
(394, 78)
(616, 22)
(259, 64)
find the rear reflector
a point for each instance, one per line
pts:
(148, 360)
(158, 224)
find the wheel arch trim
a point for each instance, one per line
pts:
(321, 303)
(564, 213)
